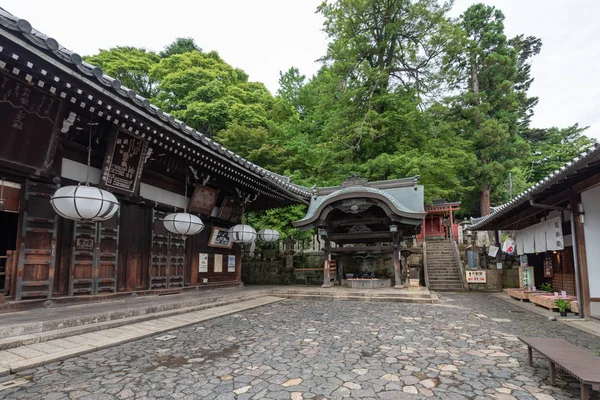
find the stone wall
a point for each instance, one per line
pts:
(510, 279)
(263, 272)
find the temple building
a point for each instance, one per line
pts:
(439, 222)
(66, 123)
(366, 219)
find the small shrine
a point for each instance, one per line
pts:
(363, 225)
(439, 222)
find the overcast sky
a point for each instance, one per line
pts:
(264, 37)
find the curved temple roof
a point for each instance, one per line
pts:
(404, 197)
(22, 28)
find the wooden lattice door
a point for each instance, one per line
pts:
(167, 256)
(37, 247)
(94, 257)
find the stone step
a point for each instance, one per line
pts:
(449, 289)
(24, 334)
(442, 265)
(431, 299)
(368, 293)
(445, 281)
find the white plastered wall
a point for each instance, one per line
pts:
(591, 229)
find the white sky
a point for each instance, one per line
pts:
(264, 37)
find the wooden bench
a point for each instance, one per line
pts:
(578, 362)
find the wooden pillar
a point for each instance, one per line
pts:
(580, 257)
(238, 264)
(397, 265)
(499, 259)
(326, 281)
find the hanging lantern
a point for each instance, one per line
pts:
(268, 235)
(183, 224)
(84, 203)
(242, 234)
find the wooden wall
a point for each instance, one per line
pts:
(563, 271)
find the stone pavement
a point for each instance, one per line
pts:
(464, 348)
(32, 355)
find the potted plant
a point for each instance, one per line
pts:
(563, 305)
(547, 287)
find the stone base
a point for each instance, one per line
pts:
(413, 284)
(367, 283)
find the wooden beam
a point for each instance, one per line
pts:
(360, 249)
(361, 236)
(366, 221)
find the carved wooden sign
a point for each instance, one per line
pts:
(27, 118)
(203, 199)
(124, 162)
(84, 244)
(231, 210)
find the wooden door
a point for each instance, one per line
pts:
(167, 256)
(107, 255)
(83, 258)
(94, 257)
(37, 247)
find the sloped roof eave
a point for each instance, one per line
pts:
(562, 173)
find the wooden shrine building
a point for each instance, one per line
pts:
(51, 102)
(365, 218)
(439, 222)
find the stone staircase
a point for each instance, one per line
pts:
(442, 271)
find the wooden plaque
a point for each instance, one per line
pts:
(526, 278)
(231, 210)
(548, 268)
(84, 244)
(203, 199)
(123, 163)
(27, 120)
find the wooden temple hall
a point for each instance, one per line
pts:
(57, 114)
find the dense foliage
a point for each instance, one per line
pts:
(403, 90)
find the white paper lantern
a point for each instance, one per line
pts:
(87, 203)
(242, 234)
(183, 224)
(268, 235)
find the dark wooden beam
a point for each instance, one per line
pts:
(366, 221)
(361, 249)
(360, 237)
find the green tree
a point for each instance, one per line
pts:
(209, 94)
(554, 147)
(180, 46)
(482, 63)
(290, 84)
(129, 65)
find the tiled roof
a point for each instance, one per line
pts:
(75, 62)
(552, 179)
(397, 197)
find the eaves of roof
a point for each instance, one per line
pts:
(554, 178)
(137, 103)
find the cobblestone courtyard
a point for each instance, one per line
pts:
(464, 348)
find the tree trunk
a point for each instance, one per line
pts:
(474, 78)
(484, 202)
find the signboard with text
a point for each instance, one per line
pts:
(476, 277)
(123, 163)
